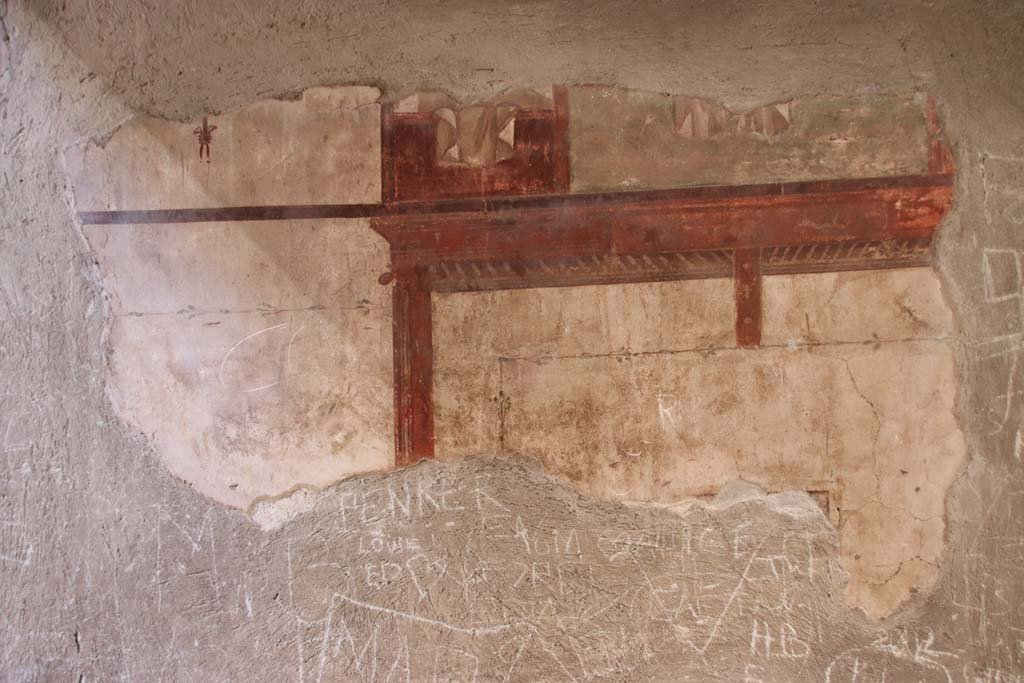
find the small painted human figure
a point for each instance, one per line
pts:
(205, 133)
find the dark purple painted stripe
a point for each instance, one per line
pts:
(513, 203)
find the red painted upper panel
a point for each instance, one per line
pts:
(419, 166)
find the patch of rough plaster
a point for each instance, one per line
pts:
(274, 513)
(703, 577)
(635, 393)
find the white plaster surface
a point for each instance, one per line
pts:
(254, 356)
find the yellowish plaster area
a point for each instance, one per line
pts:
(638, 393)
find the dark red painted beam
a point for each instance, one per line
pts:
(807, 214)
(571, 271)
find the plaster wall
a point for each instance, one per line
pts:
(113, 568)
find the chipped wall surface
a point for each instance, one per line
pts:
(112, 568)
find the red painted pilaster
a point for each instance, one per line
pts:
(560, 145)
(747, 282)
(940, 159)
(387, 156)
(414, 369)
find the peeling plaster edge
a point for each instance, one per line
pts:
(94, 277)
(944, 241)
(93, 274)
(793, 503)
(273, 512)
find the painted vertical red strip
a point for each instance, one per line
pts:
(413, 370)
(747, 282)
(387, 162)
(940, 160)
(422, 375)
(562, 169)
